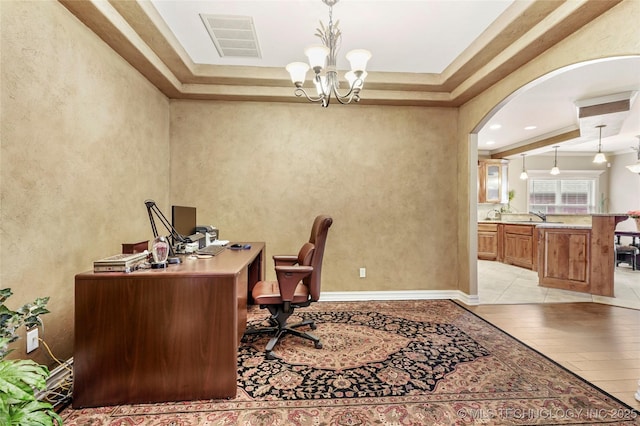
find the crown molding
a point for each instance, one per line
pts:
(134, 29)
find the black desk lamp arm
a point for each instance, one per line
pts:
(153, 208)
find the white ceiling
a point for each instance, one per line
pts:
(417, 36)
(550, 106)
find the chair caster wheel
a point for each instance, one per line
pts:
(313, 326)
(270, 355)
(318, 345)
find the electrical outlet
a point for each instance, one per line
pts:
(363, 272)
(32, 340)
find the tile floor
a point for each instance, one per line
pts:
(499, 283)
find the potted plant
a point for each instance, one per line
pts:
(19, 378)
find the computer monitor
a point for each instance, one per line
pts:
(183, 220)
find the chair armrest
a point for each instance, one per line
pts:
(288, 279)
(285, 259)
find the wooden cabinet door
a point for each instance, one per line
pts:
(565, 255)
(518, 250)
(487, 245)
(488, 241)
(520, 246)
(492, 181)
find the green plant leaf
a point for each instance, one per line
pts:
(5, 293)
(19, 377)
(5, 417)
(34, 413)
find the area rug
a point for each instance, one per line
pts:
(387, 363)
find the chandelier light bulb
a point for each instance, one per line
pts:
(635, 168)
(317, 55)
(298, 72)
(600, 158)
(358, 59)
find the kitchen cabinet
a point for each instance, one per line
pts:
(520, 246)
(488, 241)
(565, 255)
(579, 258)
(493, 181)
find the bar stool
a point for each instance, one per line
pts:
(626, 254)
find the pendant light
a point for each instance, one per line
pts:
(555, 170)
(524, 175)
(635, 168)
(600, 158)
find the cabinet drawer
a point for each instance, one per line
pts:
(488, 227)
(519, 229)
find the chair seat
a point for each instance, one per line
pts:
(268, 293)
(627, 249)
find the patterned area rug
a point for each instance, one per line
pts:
(387, 363)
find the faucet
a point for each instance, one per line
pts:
(540, 215)
(493, 214)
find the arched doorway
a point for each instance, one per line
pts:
(578, 81)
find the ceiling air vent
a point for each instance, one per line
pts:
(232, 35)
(610, 110)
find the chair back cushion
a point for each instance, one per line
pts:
(305, 255)
(318, 238)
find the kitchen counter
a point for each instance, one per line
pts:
(572, 256)
(538, 224)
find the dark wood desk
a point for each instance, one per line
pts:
(162, 335)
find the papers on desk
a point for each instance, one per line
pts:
(126, 262)
(219, 242)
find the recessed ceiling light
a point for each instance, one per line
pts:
(491, 142)
(495, 126)
(530, 127)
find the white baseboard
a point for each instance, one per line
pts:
(360, 296)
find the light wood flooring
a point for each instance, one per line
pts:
(600, 343)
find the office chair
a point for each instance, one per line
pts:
(297, 286)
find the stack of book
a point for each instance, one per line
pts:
(125, 262)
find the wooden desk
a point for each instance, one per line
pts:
(162, 335)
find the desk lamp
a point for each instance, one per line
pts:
(169, 254)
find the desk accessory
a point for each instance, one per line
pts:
(124, 262)
(153, 208)
(160, 252)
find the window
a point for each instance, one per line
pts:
(563, 196)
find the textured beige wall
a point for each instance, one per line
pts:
(615, 33)
(386, 175)
(82, 137)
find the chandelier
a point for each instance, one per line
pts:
(322, 59)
